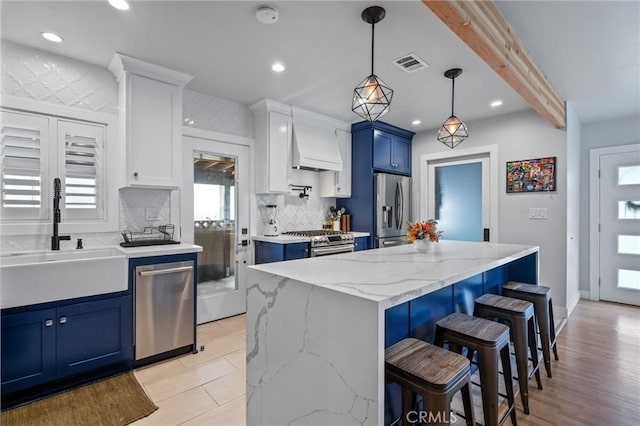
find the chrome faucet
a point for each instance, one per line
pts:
(57, 195)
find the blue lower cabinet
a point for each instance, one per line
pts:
(28, 344)
(361, 243)
(94, 334)
(40, 346)
(296, 251)
(273, 252)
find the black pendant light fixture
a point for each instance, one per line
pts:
(372, 97)
(453, 131)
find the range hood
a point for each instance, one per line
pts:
(315, 147)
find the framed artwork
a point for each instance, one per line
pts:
(537, 175)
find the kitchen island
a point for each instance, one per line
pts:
(317, 328)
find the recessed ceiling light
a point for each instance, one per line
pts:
(119, 4)
(496, 103)
(52, 37)
(277, 67)
(416, 122)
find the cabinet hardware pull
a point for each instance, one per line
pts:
(48, 323)
(166, 271)
(63, 320)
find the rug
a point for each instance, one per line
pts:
(118, 400)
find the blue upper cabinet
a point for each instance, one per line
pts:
(376, 147)
(391, 152)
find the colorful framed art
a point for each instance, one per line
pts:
(537, 175)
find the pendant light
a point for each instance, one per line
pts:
(453, 131)
(372, 97)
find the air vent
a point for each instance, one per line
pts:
(410, 62)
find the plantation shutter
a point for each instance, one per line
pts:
(83, 169)
(23, 158)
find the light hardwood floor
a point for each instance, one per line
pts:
(596, 381)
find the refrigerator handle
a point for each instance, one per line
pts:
(401, 206)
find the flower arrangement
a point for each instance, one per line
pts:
(424, 230)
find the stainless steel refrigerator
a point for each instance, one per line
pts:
(393, 208)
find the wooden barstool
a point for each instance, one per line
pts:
(540, 296)
(491, 341)
(434, 373)
(518, 315)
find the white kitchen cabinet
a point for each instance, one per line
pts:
(338, 184)
(273, 129)
(151, 121)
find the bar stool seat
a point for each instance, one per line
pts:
(540, 296)
(491, 341)
(434, 373)
(518, 315)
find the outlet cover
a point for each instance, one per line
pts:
(151, 214)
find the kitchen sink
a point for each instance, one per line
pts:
(44, 276)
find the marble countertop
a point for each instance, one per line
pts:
(290, 239)
(390, 276)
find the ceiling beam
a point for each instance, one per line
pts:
(481, 26)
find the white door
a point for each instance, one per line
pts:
(620, 227)
(215, 206)
(459, 198)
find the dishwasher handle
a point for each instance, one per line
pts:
(165, 271)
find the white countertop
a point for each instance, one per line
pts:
(290, 239)
(162, 250)
(393, 275)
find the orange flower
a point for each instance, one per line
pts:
(423, 230)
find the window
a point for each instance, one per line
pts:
(36, 148)
(81, 147)
(24, 165)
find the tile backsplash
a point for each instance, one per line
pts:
(295, 213)
(44, 76)
(144, 207)
(211, 113)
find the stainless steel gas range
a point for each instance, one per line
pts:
(323, 242)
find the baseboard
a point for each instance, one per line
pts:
(585, 294)
(559, 312)
(572, 303)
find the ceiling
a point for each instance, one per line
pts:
(325, 47)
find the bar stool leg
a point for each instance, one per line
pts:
(508, 382)
(520, 339)
(488, 366)
(543, 324)
(408, 404)
(466, 402)
(533, 348)
(437, 408)
(552, 330)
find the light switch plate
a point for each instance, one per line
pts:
(538, 213)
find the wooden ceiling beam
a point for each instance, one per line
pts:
(481, 26)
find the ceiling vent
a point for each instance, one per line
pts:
(410, 62)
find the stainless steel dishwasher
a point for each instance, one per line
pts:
(164, 308)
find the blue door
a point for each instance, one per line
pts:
(458, 201)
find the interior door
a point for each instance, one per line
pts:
(215, 216)
(620, 227)
(459, 198)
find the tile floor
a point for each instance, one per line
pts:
(204, 389)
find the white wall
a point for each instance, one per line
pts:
(520, 136)
(624, 131)
(573, 208)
